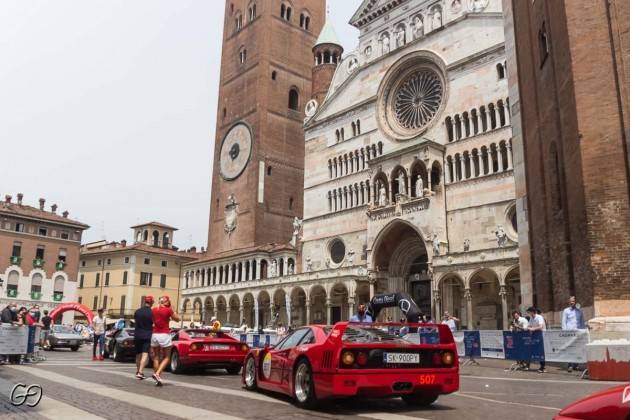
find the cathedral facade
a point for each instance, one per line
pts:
(408, 177)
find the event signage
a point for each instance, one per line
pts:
(565, 346)
(13, 339)
(472, 343)
(524, 345)
(491, 344)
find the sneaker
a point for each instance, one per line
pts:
(157, 379)
(541, 371)
(140, 376)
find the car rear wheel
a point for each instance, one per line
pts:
(303, 386)
(419, 400)
(74, 348)
(250, 374)
(116, 355)
(176, 363)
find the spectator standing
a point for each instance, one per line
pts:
(143, 321)
(161, 342)
(519, 322)
(98, 324)
(35, 313)
(537, 323)
(572, 320)
(46, 322)
(9, 314)
(361, 315)
(451, 321)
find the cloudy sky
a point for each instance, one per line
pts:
(107, 108)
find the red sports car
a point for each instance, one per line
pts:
(350, 359)
(610, 404)
(207, 349)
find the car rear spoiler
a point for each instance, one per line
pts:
(427, 333)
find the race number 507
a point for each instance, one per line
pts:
(427, 379)
(30, 395)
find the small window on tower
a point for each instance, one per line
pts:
(291, 203)
(268, 170)
(293, 100)
(273, 75)
(224, 112)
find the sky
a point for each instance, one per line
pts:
(108, 108)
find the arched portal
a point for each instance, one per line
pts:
(197, 313)
(298, 307)
(72, 306)
(264, 308)
(234, 316)
(222, 310)
(208, 310)
(339, 311)
(318, 305)
(280, 308)
(248, 310)
(513, 290)
(452, 299)
(399, 251)
(486, 303)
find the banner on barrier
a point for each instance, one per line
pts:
(565, 346)
(491, 344)
(13, 339)
(472, 343)
(524, 345)
(459, 341)
(33, 339)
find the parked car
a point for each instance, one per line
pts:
(610, 404)
(318, 362)
(119, 344)
(63, 337)
(205, 348)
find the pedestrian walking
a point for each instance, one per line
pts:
(98, 324)
(361, 315)
(143, 321)
(536, 323)
(161, 343)
(572, 320)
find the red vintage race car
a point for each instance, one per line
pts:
(351, 359)
(610, 404)
(206, 349)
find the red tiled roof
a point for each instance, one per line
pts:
(157, 224)
(116, 247)
(266, 248)
(35, 213)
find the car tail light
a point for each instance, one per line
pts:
(362, 358)
(195, 347)
(347, 358)
(448, 358)
(244, 348)
(437, 359)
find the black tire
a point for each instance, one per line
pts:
(116, 354)
(175, 363)
(419, 400)
(303, 386)
(74, 348)
(233, 370)
(51, 348)
(250, 374)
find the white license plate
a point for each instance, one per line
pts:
(218, 347)
(396, 358)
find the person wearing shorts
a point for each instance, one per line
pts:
(161, 339)
(143, 321)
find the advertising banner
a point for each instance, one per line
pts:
(472, 343)
(524, 345)
(13, 340)
(459, 341)
(491, 344)
(33, 339)
(565, 346)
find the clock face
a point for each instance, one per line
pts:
(235, 151)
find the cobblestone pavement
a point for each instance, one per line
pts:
(77, 388)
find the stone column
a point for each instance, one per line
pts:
(241, 311)
(328, 311)
(479, 124)
(429, 179)
(460, 163)
(229, 273)
(229, 313)
(447, 173)
(509, 156)
(257, 269)
(504, 306)
(350, 306)
(468, 297)
(308, 312)
(214, 310)
(372, 289)
(437, 305)
(506, 112)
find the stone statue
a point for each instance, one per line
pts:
(350, 257)
(353, 65)
(501, 236)
(385, 41)
(402, 185)
(456, 6)
(419, 187)
(436, 244)
(309, 264)
(382, 196)
(297, 226)
(477, 5)
(273, 268)
(466, 245)
(437, 18)
(327, 262)
(290, 269)
(418, 27)
(400, 37)
(231, 214)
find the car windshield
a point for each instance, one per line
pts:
(203, 333)
(365, 334)
(61, 329)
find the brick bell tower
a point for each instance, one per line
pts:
(327, 52)
(266, 70)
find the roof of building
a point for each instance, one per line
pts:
(328, 35)
(113, 247)
(156, 224)
(267, 248)
(30, 212)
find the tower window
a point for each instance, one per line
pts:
(273, 75)
(291, 203)
(293, 99)
(242, 55)
(543, 44)
(224, 112)
(268, 170)
(500, 71)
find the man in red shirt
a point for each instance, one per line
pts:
(161, 338)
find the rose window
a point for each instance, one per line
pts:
(418, 99)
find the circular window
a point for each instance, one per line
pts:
(337, 251)
(411, 96)
(512, 223)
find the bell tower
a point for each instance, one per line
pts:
(266, 71)
(327, 52)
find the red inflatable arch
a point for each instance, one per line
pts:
(72, 306)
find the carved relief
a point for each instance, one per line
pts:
(231, 214)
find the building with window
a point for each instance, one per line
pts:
(408, 177)
(39, 255)
(569, 84)
(116, 276)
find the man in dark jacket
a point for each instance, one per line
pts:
(143, 318)
(9, 314)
